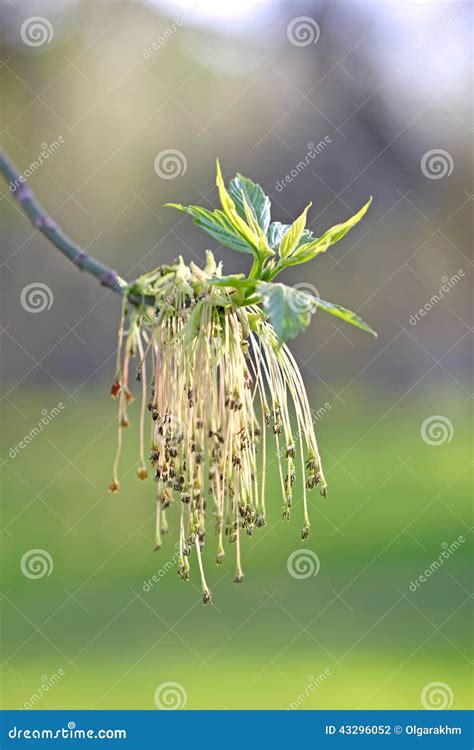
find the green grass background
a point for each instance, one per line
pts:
(393, 501)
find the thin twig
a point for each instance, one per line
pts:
(41, 221)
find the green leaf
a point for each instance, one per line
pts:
(264, 250)
(255, 197)
(288, 309)
(240, 225)
(227, 203)
(309, 250)
(347, 315)
(276, 230)
(293, 235)
(235, 226)
(217, 225)
(237, 281)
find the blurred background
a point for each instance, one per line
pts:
(114, 108)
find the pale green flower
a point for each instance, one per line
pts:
(219, 381)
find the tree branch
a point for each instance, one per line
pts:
(41, 221)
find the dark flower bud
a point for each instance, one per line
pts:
(114, 391)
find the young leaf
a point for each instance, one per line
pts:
(226, 201)
(238, 232)
(288, 309)
(262, 242)
(309, 250)
(216, 224)
(347, 315)
(237, 281)
(255, 197)
(293, 235)
(276, 230)
(228, 205)
(249, 217)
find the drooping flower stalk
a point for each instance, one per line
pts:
(221, 379)
(216, 375)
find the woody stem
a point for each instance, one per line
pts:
(45, 224)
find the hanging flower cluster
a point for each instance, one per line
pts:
(217, 378)
(218, 381)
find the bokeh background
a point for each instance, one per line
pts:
(385, 87)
